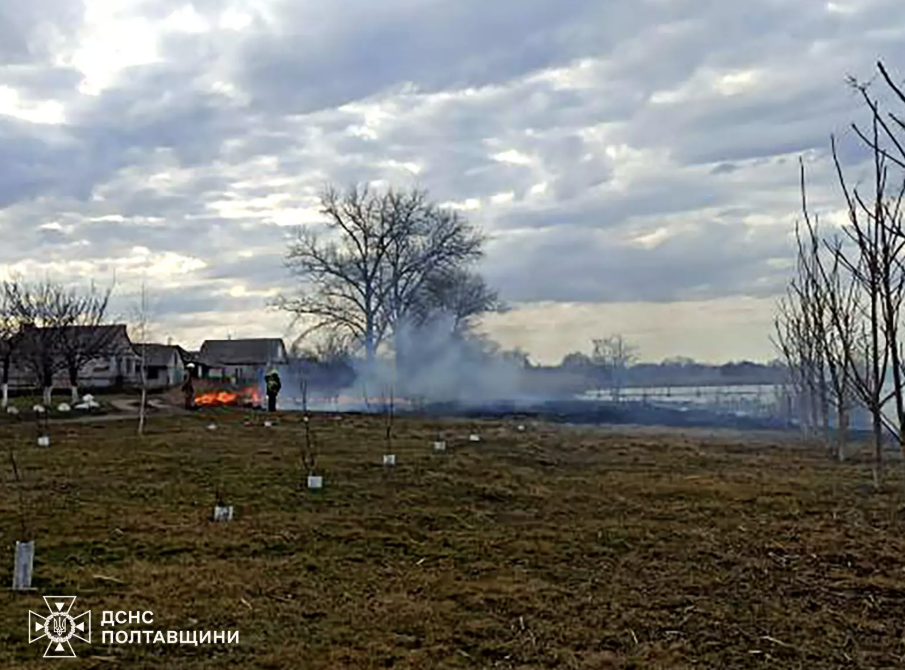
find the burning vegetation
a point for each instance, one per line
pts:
(246, 397)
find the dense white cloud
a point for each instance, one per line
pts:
(636, 157)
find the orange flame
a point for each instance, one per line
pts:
(220, 398)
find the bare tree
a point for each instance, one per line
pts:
(793, 341)
(833, 305)
(141, 333)
(612, 356)
(806, 336)
(428, 250)
(10, 325)
(46, 310)
(874, 266)
(380, 250)
(802, 328)
(87, 337)
(841, 300)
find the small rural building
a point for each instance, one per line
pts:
(164, 364)
(240, 361)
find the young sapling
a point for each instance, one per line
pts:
(308, 456)
(389, 458)
(25, 547)
(222, 511)
(440, 443)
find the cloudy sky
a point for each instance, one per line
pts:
(634, 161)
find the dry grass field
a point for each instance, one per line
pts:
(549, 548)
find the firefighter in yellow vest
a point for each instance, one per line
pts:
(272, 379)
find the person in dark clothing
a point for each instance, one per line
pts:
(273, 389)
(188, 388)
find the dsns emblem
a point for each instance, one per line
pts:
(59, 627)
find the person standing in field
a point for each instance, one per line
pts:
(272, 379)
(188, 388)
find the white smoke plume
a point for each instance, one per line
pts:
(423, 364)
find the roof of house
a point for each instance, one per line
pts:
(107, 339)
(158, 355)
(261, 351)
(195, 358)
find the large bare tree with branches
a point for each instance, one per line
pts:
(381, 252)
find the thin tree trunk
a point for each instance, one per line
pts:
(74, 384)
(897, 383)
(879, 465)
(804, 403)
(841, 431)
(825, 410)
(141, 411)
(814, 408)
(4, 403)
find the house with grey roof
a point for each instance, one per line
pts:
(240, 361)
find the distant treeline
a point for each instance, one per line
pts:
(575, 374)
(578, 372)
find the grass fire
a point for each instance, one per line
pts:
(246, 397)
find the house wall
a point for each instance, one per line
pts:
(99, 373)
(176, 373)
(236, 374)
(104, 372)
(160, 376)
(172, 374)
